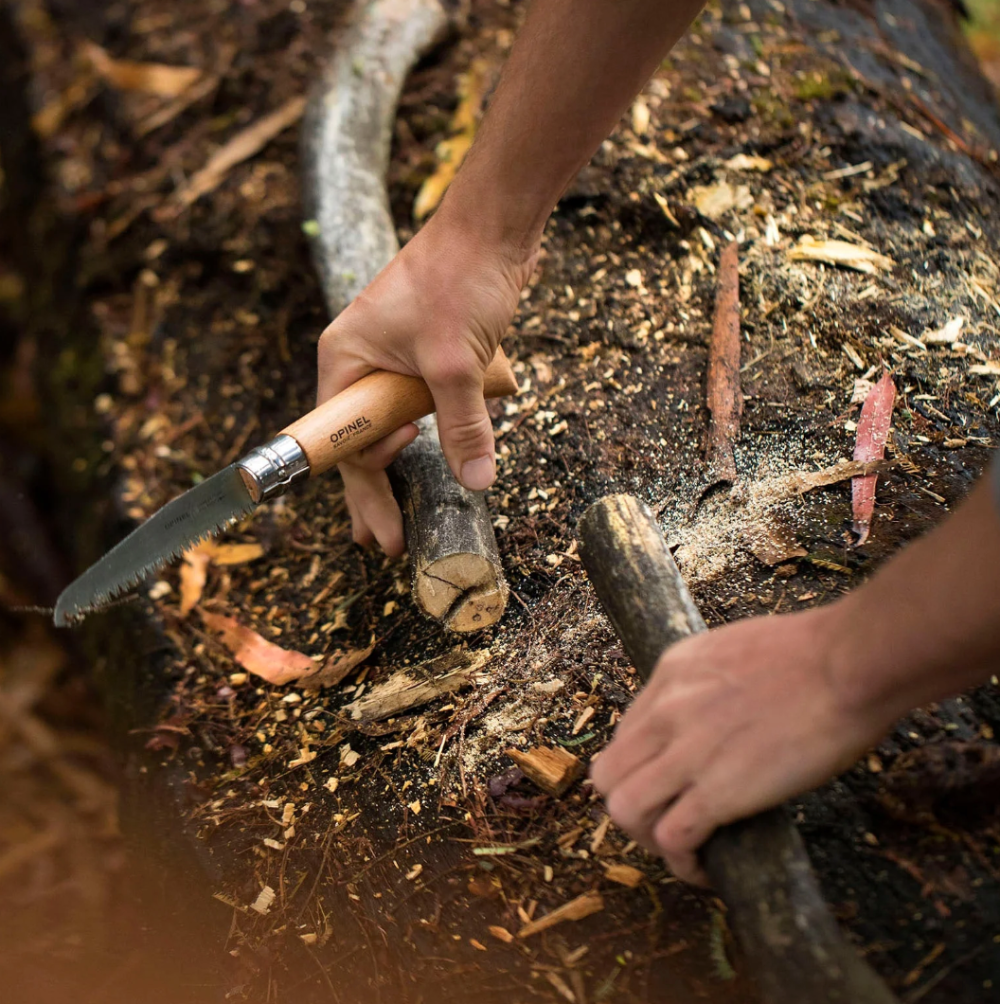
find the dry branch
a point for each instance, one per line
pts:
(725, 402)
(759, 865)
(410, 688)
(455, 566)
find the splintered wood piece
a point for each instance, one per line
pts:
(759, 865)
(455, 566)
(725, 401)
(575, 909)
(417, 685)
(552, 768)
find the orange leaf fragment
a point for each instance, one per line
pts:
(873, 431)
(257, 655)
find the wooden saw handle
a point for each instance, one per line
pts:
(372, 408)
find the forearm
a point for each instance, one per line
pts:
(574, 69)
(927, 625)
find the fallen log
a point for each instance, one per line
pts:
(457, 577)
(759, 865)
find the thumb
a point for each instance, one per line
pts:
(464, 427)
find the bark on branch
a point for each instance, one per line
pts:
(455, 567)
(791, 942)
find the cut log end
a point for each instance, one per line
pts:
(466, 591)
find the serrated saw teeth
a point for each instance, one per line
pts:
(200, 513)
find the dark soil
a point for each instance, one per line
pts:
(183, 338)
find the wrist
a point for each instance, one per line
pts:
(509, 226)
(868, 672)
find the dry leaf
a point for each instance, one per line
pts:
(946, 335)
(336, 667)
(748, 162)
(194, 567)
(241, 147)
(451, 152)
(716, 200)
(271, 662)
(839, 253)
(149, 78)
(575, 909)
(873, 430)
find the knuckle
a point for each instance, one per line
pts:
(465, 434)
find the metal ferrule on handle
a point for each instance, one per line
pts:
(270, 470)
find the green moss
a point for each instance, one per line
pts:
(823, 86)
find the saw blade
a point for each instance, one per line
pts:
(199, 513)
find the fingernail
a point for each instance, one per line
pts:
(477, 474)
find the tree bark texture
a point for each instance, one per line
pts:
(457, 577)
(759, 866)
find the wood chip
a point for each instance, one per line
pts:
(575, 909)
(840, 253)
(599, 834)
(552, 768)
(991, 368)
(947, 335)
(748, 162)
(501, 934)
(714, 201)
(582, 720)
(561, 987)
(262, 904)
(624, 875)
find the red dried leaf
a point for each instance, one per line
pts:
(724, 398)
(258, 655)
(873, 430)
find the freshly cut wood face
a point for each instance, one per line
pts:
(464, 590)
